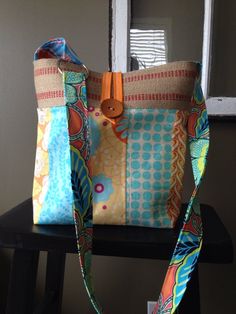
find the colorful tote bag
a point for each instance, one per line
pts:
(111, 150)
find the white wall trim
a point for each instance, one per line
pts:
(222, 106)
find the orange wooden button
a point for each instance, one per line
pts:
(112, 108)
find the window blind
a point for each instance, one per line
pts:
(147, 48)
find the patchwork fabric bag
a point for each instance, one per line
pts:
(111, 150)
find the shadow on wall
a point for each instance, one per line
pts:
(5, 271)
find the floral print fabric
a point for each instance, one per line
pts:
(52, 192)
(108, 160)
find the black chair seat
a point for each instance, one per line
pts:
(18, 232)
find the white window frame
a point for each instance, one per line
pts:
(120, 35)
(121, 17)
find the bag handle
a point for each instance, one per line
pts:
(56, 48)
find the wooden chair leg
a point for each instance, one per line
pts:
(22, 282)
(191, 299)
(52, 300)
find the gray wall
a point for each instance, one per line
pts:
(123, 285)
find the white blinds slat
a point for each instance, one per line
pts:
(148, 47)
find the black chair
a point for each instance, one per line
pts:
(18, 232)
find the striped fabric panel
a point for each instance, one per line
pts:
(158, 75)
(48, 83)
(178, 145)
(142, 89)
(50, 95)
(46, 71)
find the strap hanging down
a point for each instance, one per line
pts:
(190, 238)
(76, 103)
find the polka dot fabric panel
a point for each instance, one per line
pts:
(148, 169)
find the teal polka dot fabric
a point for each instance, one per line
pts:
(148, 167)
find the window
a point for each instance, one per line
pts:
(153, 48)
(148, 47)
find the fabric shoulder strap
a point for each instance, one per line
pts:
(56, 48)
(189, 242)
